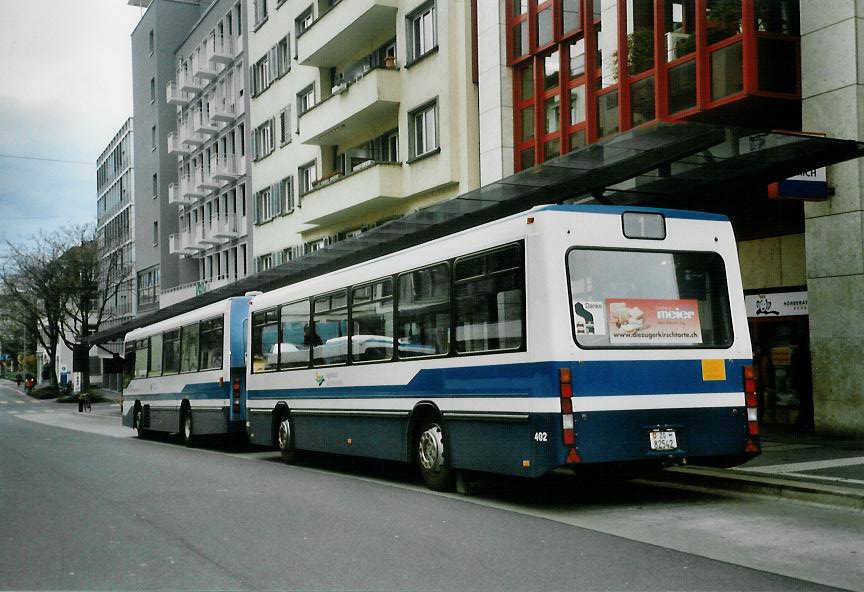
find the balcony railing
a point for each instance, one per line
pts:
(357, 19)
(188, 83)
(229, 226)
(369, 188)
(176, 146)
(192, 139)
(176, 196)
(181, 243)
(366, 103)
(175, 95)
(205, 125)
(203, 69)
(189, 189)
(221, 49)
(205, 182)
(222, 111)
(227, 167)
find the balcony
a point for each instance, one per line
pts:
(188, 83)
(194, 140)
(365, 104)
(175, 95)
(190, 190)
(176, 146)
(176, 196)
(181, 244)
(227, 167)
(204, 70)
(222, 111)
(205, 182)
(192, 289)
(205, 125)
(370, 187)
(208, 237)
(229, 226)
(356, 22)
(221, 50)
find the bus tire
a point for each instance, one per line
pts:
(187, 428)
(285, 438)
(431, 455)
(138, 423)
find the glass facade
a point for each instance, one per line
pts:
(585, 69)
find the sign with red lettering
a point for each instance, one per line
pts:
(645, 321)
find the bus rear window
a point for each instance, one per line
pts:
(653, 299)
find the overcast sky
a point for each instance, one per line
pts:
(65, 91)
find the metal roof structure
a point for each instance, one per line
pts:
(670, 164)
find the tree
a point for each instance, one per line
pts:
(34, 281)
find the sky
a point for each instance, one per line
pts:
(65, 91)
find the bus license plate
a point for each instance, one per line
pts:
(663, 440)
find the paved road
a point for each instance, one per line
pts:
(92, 507)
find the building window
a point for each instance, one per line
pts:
(305, 99)
(260, 12)
(151, 41)
(283, 58)
(307, 175)
(155, 233)
(303, 22)
(153, 138)
(424, 129)
(152, 90)
(155, 185)
(262, 141)
(261, 75)
(148, 286)
(285, 126)
(422, 36)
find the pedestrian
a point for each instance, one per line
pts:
(18, 379)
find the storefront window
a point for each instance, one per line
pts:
(607, 113)
(527, 123)
(682, 87)
(545, 31)
(551, 70)
(577, 58)
(642, 100)
(726, 71)
(570, 15)
(640, 36)
(607, 43)
(724, 19)
(577, 104)
(680, 29)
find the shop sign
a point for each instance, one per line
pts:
(778, 304)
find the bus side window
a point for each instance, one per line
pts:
(171, 352)
(141, 357)
(155, 356)
(330, 329)
(265, 341)
(294, 346)
(372, 317)
(423, 312)
(189, 348)
(210, 343)
(129, 364)
(489, 302)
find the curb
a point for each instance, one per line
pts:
(731, 482)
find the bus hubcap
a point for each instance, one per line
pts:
(284, 434)
(432, 448)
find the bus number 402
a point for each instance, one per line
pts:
(540, 437)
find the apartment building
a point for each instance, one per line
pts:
(115, 223)
(361, 111)
(162, 28)
(209, 197)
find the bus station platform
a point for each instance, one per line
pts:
(793, 465)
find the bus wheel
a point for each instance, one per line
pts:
(431, 457)
(138, 424)
(285, 439)
(187, 432)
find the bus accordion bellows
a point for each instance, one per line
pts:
(580, 336)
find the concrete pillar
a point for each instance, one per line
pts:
(832, 72)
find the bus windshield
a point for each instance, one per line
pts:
(626, 299)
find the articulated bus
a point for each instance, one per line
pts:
(187, 374)
(578, 336)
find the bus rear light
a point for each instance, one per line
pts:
(753, 428)
(566, 391)
(573, 457)
(567, 421)
(750, 401)
(569, 437)
(751, 447)
(564, 375)
(749, 380)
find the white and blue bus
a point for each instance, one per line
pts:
(564, 336)
(187, 374)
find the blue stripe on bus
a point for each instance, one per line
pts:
(618, 210)
(598, 378)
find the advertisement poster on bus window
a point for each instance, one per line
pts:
(641, 321)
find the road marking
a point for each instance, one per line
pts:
(825, 478)
(806, 466)
(4, 402)
(19, 402)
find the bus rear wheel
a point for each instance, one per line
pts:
(187, 429)
(285, 439)
(431, 456)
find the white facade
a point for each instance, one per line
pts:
(361, 111)
(210, 143)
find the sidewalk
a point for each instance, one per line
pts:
(803, 467)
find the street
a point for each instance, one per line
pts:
(86, 505)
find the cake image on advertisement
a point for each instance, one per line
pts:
(653, 321)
